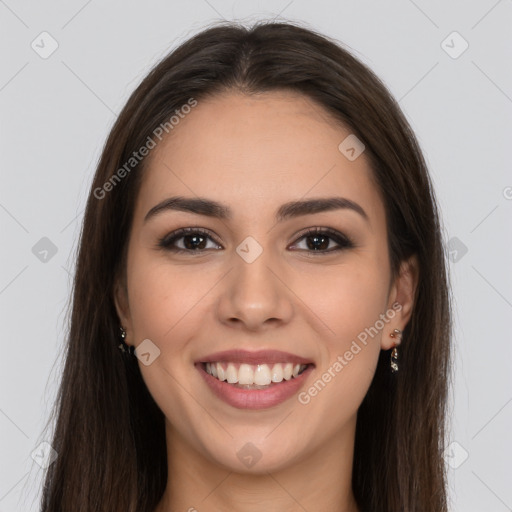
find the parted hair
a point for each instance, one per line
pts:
(108, 431)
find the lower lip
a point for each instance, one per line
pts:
(255, 398)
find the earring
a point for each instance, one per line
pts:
(123, 347)
(394, 352)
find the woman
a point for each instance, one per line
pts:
(260, 316)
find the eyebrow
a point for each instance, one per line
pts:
(210, 208)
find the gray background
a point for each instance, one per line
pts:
(56, 113)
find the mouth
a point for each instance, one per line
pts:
(253, 376)
(254, 380)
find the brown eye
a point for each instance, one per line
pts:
(319, 240)
(194, 240)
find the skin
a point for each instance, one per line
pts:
(254, 153)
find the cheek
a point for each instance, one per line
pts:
(349, 300)
(346, 298)
(165, 307)
(162, 297)
(351, 304)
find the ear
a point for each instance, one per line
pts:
(401, 300)
(122, 305)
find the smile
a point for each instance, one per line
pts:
(254, 380)
(255, 376)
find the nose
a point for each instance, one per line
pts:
(255, 295)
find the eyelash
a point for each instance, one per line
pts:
(342, 240)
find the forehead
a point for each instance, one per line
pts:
(256, 152)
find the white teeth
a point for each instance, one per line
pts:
(288, 371)
(221, 374)
(231, 374)
(277, 373)
(262, 375)
(245, 374)
(259, 375)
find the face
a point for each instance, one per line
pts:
(258, 283)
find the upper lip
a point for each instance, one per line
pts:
(257, 357)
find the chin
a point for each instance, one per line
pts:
(246, 456)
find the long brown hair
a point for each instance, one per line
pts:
(109, 432)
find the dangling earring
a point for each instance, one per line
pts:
(394, 352)
(123, 347)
